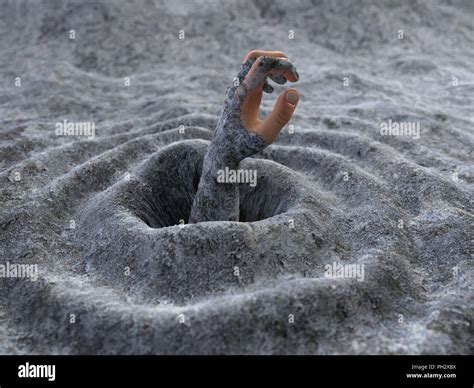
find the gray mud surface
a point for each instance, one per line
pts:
(100, 217)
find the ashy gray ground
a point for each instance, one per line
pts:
(100, 217)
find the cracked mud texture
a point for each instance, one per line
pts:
(335, 190)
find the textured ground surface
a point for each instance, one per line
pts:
(100, 216)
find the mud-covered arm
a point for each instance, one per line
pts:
(216, 200)
(240, 134)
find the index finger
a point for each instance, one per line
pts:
(270, 66)
(259, 53)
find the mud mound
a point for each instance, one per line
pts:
(104, 217)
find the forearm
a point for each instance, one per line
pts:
(217, 200)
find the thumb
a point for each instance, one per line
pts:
(281, 114)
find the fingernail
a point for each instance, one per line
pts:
(292, 97)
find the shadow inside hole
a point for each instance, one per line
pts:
(170, 179)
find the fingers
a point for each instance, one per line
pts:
(258, 66)
(281, 114)
(253, 96)
(264, 67)
(254, 54)
(277, 78)
(250, 108)
(267, 88)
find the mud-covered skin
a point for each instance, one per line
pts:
(232, 142)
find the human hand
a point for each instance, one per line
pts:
(241, 132)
